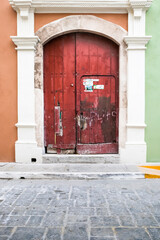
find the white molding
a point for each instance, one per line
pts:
(25, 43)
(26, 142)
(24, 125)
(79, 6)
(137, 43)
(137, 39)
(23, 6)
(21, 3)
(140, 4)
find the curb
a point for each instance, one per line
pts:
(72, 176)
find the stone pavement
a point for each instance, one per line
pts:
(80, 210)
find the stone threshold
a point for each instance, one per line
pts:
(75, 158)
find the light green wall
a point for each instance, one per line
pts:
(153, 83)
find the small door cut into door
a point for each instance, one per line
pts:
(81, 93)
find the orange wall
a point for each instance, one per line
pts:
(8, 83)
(42, 19)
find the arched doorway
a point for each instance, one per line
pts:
(81, 94)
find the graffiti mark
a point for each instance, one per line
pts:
(106, 110)
(100, 116)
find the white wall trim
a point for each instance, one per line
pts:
(137, 40)
(22, 125)
(23, 6)
(79, 6)
(25, 43)
(26, 145)
(135, 147)
(135, 43)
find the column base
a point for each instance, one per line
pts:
(27, 153)
(133, 153)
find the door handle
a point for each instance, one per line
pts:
(83, 122)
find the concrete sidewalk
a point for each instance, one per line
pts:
(69, 171)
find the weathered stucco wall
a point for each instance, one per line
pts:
(43, 19)
(153, 83)
(8, 83)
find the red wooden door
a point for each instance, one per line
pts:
(81, 94)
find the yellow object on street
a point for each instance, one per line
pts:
(150, 171)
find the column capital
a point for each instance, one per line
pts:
(139, 5)
(143, 4)
(25, 43)
(22, 6)
(136, 43)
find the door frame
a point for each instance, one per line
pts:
(109, 30)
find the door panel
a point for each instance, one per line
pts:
(59, 93)
(97, 94)
(97, 110)
(81, 94)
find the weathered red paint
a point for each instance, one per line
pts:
(59, 69)
(81, 94)
(57, 119)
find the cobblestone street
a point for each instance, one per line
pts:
(80, 210)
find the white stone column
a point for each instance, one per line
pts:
(26, 150)
(135, 147)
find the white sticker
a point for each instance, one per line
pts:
(88, 88)
(95, 80)
(87, 82)
(98, 87)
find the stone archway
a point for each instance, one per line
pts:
(81, 23)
